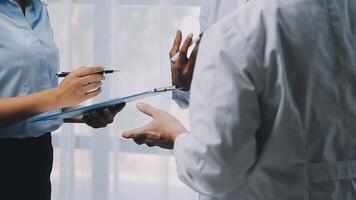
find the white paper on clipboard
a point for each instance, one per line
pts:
(83, 110)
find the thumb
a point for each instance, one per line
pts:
(147, 109)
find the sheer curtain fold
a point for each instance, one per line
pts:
(65, 186)
(135, 37)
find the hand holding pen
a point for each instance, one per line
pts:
(65, 74)
(182, 67)
(82, 84)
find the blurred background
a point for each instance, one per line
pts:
(135, 37)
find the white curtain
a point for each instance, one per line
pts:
(133, 36)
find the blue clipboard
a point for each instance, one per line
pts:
(83, 110)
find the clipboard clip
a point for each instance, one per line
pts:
(166, 89)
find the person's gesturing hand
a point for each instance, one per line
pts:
(79, 86)
(101, 118)
(161, 132)
(183, 68)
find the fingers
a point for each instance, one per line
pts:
(139, 140)
(142, 136)
(85, 71)
(148, 110)
(135, 133)
(93, 94)
(100, 118)
(97, 119)
(92, 87)
(91, 79)
(118, 108)
(176, 44)
(185, 47)
(89, 120)
(142, 140)
(107, 115)
(188, 71)
(193, 56)
(151, 144)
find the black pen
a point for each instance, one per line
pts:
(64, 74)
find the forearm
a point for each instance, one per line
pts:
(16, 109)
(80, 85)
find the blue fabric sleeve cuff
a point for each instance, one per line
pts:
(182, 98)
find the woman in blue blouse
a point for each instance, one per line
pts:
(29, 61)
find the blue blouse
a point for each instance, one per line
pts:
(29, 60)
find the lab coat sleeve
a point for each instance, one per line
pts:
(182, 98)
(215, 157)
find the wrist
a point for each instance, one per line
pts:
(57, 97)
(178, 133)
(48, 100)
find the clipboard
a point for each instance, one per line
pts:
(86, 109)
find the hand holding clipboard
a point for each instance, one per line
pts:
(86, 109)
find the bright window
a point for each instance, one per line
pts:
(134, 36)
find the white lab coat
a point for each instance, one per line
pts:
(214, 10)
(273, 104)
(211, 11)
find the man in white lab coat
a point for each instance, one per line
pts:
(273, 105)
